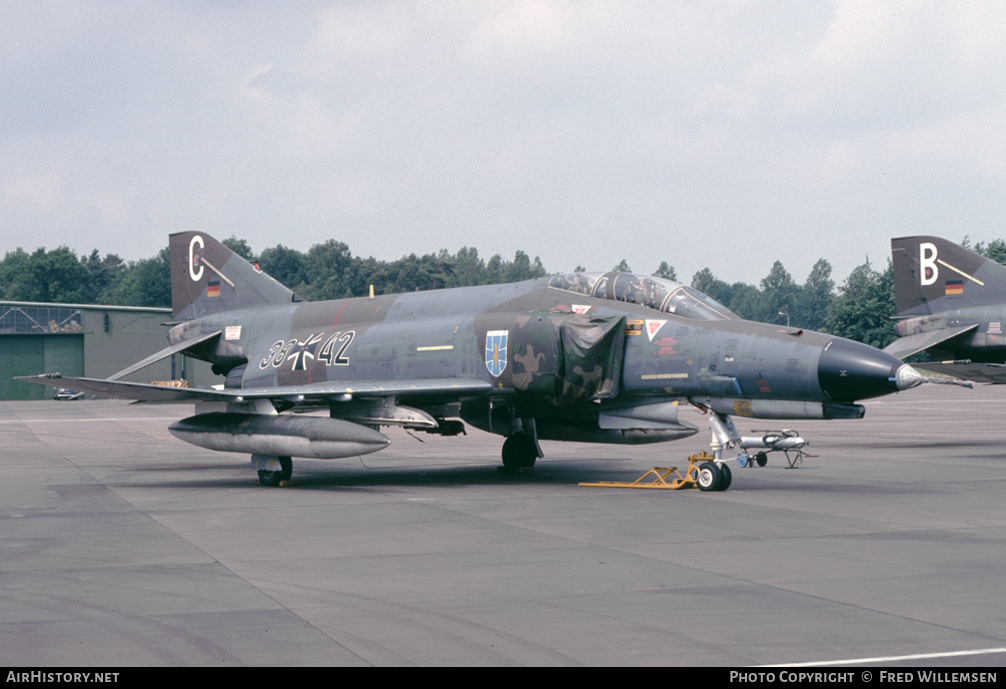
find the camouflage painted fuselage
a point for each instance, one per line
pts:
(594, 358)
(550, 354)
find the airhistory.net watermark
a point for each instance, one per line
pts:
(47, 677)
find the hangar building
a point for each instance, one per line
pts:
(86, 340)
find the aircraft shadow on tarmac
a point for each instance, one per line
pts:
(560, 473)
(411, 473)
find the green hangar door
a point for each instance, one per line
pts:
(30, 355)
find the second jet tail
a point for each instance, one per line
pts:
(932, 275)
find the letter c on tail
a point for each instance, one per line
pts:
(195, 274)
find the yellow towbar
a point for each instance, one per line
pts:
(664, 478)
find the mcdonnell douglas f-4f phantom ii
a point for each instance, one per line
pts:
(951, 304)
(593, 358)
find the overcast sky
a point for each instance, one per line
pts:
(722, 134)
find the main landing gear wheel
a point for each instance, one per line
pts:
(519, 452)
(273, 478)
(708, 477)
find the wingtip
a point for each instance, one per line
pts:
(40, 377)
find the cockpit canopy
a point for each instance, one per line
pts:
(656, 293)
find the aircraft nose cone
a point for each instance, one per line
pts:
(849, 371)
(908, 377)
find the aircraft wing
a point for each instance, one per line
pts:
(967, 370)
(913, 344)
(295, 394)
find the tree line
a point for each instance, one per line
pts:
(859, 308)
(326, 271)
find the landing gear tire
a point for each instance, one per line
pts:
(726, 476)
(761, 458)
(519, 452)
(273, 478)
(270, 478)
(708, 477)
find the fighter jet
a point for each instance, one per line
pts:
(951, 304)
(604, 357)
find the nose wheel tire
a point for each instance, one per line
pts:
(708, 477)
(726, 476)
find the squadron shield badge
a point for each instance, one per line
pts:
(496, 351)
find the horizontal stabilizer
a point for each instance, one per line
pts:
(913, 344)
(163, 354)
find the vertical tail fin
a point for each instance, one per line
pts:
(930, 269)
(207, 277)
